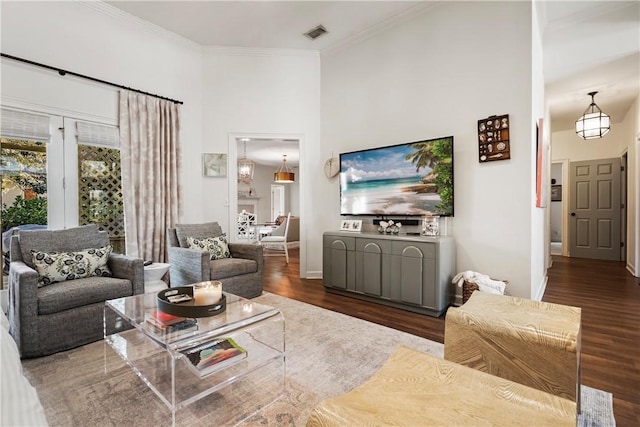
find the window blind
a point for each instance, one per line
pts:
(96, 134)
(22, 125)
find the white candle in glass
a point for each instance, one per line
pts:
(207, 293)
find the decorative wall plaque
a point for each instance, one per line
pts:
(493, 139)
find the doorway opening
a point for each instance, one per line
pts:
(559, 211)
(556, 209)
(260, 196)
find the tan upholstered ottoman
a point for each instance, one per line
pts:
(417, 389)
(530, 342)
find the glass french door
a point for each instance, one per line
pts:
(24, 191)
(60, 184)
(94, 186)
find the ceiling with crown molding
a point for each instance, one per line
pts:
(587, 45)
(267, 24)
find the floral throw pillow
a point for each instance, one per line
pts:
(217, 247)
(55, 267)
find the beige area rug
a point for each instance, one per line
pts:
(327, 354)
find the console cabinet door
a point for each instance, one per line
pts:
(338, 262)
(411, 275)
(372, 264)
(429, 286)
(414, 268)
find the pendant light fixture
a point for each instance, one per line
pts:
(593, 123)
(284, 173)
(246, 167)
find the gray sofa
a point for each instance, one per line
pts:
(240, 275)
(67, 314)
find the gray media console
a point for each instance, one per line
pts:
(410, 272)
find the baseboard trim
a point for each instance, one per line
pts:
(313, 275)
(631, 269)
(543, 287)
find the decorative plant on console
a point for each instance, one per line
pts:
(436, 155)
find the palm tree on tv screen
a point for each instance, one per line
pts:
(437, 155)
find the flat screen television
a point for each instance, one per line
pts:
(410, 179)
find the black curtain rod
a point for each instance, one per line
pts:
(82, 76)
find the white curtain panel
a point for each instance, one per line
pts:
(150, 157)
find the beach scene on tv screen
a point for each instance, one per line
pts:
(408, 179)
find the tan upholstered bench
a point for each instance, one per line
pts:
(529, 342)
(417, 389)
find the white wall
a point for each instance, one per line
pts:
(437, 74)
(265, 93)
(540, 216)
(94, 39)
(633, 224)
(567, 144)
(633, 189)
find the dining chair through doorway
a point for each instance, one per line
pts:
(277, 240)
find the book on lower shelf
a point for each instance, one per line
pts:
(166, 318)
(214, 355)
(167, 323)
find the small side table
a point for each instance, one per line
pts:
(153, 274)
(533, 343)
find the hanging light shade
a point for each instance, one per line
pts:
(284, 173)
(246, 167)
(593, 123)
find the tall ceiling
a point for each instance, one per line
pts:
(590, 46)
(266, 24)
(587, 45)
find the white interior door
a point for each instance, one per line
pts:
(277, 201)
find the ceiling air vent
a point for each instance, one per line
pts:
(316, 32)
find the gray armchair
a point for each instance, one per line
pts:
(67, 314)
(240, 275)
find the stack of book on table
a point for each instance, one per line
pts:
(214, 355)
(166, 323)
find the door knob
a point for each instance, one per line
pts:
(573, 214)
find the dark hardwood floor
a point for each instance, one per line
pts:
(608, 295)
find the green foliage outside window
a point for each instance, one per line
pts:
(24, 212)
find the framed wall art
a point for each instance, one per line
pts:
(493, 139)
(214, 164)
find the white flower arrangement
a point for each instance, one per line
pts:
(389, 227)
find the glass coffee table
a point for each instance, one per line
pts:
(231, 393)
